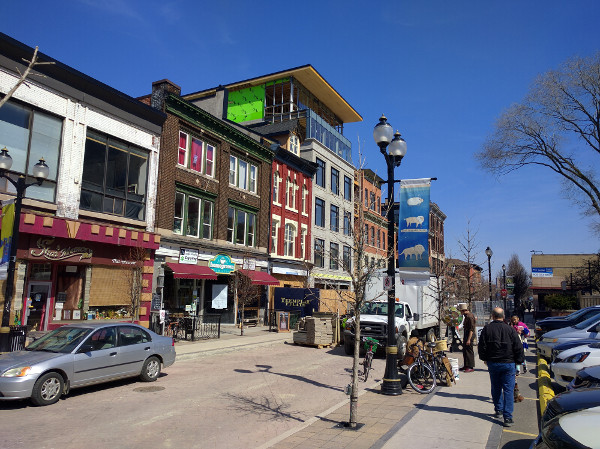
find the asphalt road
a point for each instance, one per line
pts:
(229, 399)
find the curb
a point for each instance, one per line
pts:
(545, 391)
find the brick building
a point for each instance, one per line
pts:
(213, 206)
(89, 226)
(368, 199)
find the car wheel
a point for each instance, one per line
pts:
(401, 343)
(150, 370)
(47, 389)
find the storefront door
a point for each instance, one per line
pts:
(38, 305)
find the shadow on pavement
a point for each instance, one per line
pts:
(271, 408)
(465, 396)
(456, 411)
(267, 369)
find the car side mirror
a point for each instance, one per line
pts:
(86, 348)
(415, 317)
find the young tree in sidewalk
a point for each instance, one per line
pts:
(521, 281)
(468, 247)
(133, 264)
(246, 293)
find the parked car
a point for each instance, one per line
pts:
(586, 329)
(566, 365)
(78, 355)
(560, 322)
(586, 378)
(571, 344)
(571, 421)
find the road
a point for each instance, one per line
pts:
(243, 398)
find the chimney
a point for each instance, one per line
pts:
(160, 90)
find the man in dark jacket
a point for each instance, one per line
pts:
(501, 348)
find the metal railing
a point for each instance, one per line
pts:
(17, 337)
(198, 327)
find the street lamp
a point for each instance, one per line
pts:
(40, 173)
(489, 252)
(504, 293)
(393, 148)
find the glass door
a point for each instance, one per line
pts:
(38, 305)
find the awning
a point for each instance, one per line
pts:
(188, 271)
(260, 277)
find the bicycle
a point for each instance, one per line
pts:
(175, 329)
(437, 360)
(371, 347)
(421, 375)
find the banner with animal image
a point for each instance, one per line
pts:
(8, 219)
(413, 225)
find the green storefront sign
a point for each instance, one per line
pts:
(221, 264)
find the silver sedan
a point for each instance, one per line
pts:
(78, 355)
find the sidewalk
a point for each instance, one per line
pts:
(460, 416)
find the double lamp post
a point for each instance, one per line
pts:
(393, 148)
(40, 172)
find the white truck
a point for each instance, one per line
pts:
(416, 308)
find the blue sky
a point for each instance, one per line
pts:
(441, 71)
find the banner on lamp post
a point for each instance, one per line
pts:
(8, 219)
(413, 226)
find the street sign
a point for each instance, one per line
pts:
(387, 282)
(503, 292)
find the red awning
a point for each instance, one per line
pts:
(187, 271)
(260, 277)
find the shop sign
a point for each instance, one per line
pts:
(188, 255)
(48, 250)
(221, 264)
(541, 272)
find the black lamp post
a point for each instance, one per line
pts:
(505, 293)
(393, 148)
(40, 173)
(489, 252)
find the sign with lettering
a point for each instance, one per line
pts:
(304, 299)
(189, 256)
(48, 249)
(221, 264)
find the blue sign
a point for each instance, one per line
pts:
(304, 299)
(221, 264)
(542, 272)
(413, 238)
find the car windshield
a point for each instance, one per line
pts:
(63, 339)
(380, 308)
(587, 323)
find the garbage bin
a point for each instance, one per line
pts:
(17, 337)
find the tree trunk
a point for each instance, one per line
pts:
(242, 322)
(354, 392)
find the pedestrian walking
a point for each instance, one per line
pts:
(523, 332)
(468, 339)
(501, 349)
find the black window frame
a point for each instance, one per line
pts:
(320, 174)
(319, 205)
(319, 253)
(335, 181)
(334, 254)
(347, 188)
(334, 218)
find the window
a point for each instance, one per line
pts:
(196, 154)
(347, 258)
(302, 254)
(366, 198)
(274, 233)
(347, 223)
(276, 181)
(378, 201)
(334, 218)
(242, 174)
(193, 216)
(290, 237)
(304, 200)
(319, 212)
(383, 240)
(241, 227)
(129, 335)
(292, 187)
(378, 238)
(288, 192)
(373, 235)
(294, 145)
(320, 253)
(320, 175)
(335, 181)
(105, 338)
(372, 198)
(347, 188)
(114, 177)
(334, 254)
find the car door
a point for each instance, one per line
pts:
(135, 345)
(97, 360)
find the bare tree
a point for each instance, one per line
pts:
(246, 293)
(468, 247)
(521, 281)
(557, 126)
(586, 277)
(133, 264)
(23, 76)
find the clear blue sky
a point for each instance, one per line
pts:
(441, 71)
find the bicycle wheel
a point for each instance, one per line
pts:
(367, 365)
(440, 371)
(421, 377)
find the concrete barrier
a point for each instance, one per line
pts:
(545, 391)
